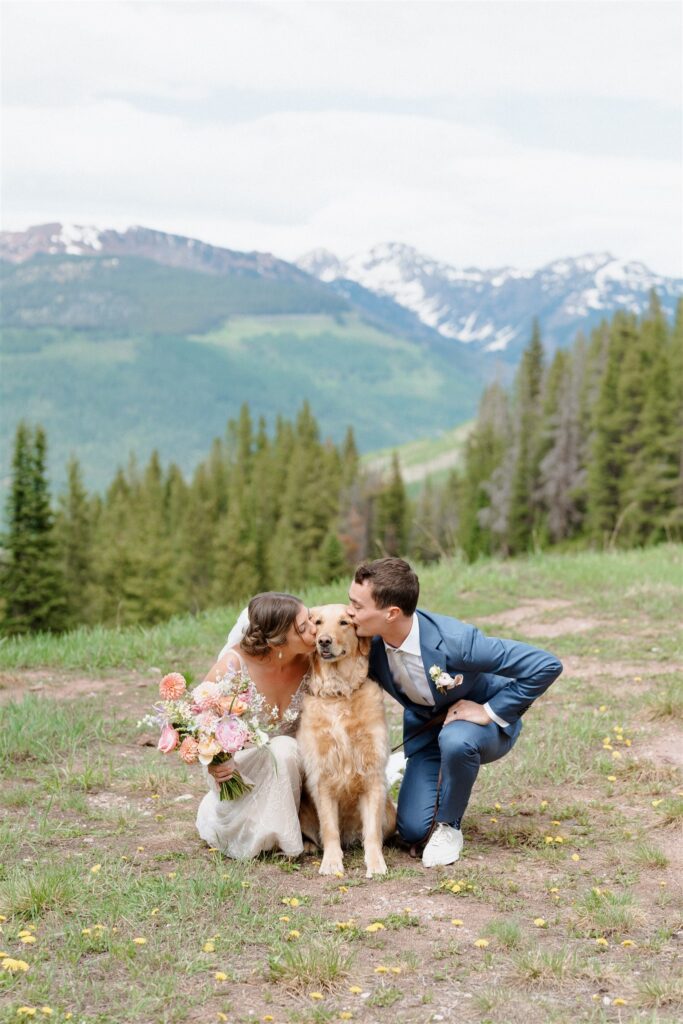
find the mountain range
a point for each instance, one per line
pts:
(491, 310)
(125, 341)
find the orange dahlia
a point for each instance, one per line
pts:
(172, 686)
(189, 750)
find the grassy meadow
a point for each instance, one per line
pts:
(565, 907)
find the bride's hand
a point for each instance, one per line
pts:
(222, 772)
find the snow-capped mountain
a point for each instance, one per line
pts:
(147, 243)
(493, 309)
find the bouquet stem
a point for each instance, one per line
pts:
(234, 787)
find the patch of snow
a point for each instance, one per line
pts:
(502, 340)
(75, 237)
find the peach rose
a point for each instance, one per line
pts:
(232, 706)
(189, 750)
(172, 686)
(207, 750)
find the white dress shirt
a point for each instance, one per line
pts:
(408, 670)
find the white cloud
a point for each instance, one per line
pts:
(292, 181)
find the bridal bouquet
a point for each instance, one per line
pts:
(212, 722)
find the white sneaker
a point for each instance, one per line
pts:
(444, 847)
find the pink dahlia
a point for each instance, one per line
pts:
(189, 750)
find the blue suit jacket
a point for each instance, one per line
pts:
(505, 674)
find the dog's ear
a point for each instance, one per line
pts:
(364, 644)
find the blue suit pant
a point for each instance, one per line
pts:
(458, 751)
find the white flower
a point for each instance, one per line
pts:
(442, 680)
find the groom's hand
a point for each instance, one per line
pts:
(467, 711)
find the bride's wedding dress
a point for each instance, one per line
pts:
(266, 817)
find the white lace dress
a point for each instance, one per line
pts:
(267, 817)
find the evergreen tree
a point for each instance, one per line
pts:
(73, 533)
(526, 456)
(32, 580)
(484, 494)
(391, 529)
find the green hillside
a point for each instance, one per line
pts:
(134, 356)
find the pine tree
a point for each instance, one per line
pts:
(522, 517)
(32, 580)
(73, 533)
(484, 495)
(391, 528)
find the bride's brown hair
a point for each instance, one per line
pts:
(271, 616)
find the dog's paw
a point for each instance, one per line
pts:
(331, 865)
(375, 866)
(310, 848)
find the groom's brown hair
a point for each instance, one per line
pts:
(393, 582)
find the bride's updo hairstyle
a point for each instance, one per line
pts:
(271, 616)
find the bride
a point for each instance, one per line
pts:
(273, 642)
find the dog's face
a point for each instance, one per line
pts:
(335, 634)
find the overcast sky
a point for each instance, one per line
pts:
(483, 133)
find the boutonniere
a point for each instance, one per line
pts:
(442, 681)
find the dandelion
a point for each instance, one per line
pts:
(86, 931)
(294, 934)
(601, 941)
(8, 964)
(376, 926)
(355, 990)
(342, 925)
(619, 1002)
(343, 888)
(139, 941)
(154, 911)
(381, 969)
(222, 1016)
(315, 995)
(656, 803)
(345, 1015)
(544, 803)
(28, 939)
(553, 889)
(549, 839)
(26, 1011)
(141, 849)
(209, 947)
(171, 874)
(575, 856)
(616, 754)
(628, 942)
(457, 922)
(268, 1016)
(284, 918)
(493, 820)
(95, 868)
(220, 976)
(611, 778)
(498, 807)
(395, 970)
(47, 1011)
(540, 922)
(481, 943)
(558, 839)
(290, 901)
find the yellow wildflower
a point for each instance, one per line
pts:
(86, 931)
(457, 922)
(285, 917)
(575, 856)
(601, 941)
(343, 888)
(26, 1011)
(603, 707)
(549, 839)
(656, 803)
(540, 922)
(544, 803)
(154, 911)
(209, 947)
(628, 942)
(619, 1002)
(294, 934)
(28, 939)
(554, 822)
(395, 970)
(616, 754)
(627, 743)
(345, 1015)
(267, 1017)
(558, 839)
(95, 868)
(47, 1011)
(381, 969)
(553, 889)
(355, 990)
(8, 964)
(220, 976)
(611, 778)
(481, 943)
(139, 941)
(140, 849)
(316, 995)
(171, 874)
(498, 807)
(376, 926)
(493, 820)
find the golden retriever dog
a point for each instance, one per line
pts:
(344, 742)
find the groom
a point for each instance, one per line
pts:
(435, 666)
